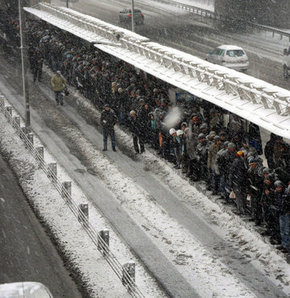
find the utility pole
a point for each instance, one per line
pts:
(24, 64)
(133, 21)
(67, 3)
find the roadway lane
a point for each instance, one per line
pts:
(27, 253)
(178, 29)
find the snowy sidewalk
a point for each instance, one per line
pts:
(164, 219)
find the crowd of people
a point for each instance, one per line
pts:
(206, 142)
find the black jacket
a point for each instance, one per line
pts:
(238, 173)
(108, 119)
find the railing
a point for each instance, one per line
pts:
(124, 273)
(215, 16)
(237, 86)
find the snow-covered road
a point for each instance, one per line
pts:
(191, 243)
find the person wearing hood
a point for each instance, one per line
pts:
(108, 120)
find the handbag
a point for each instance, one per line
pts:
(66, 92)
(232, 195)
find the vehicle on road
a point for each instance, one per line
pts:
(125, 16)
(286, 62)
(25, 289)
(229, 56)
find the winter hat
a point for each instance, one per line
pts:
(226, 143)
(278, 183)
(172, 131)
(252, 160)
(106, 106)
(266, 171)
(231, 145)
(187, 130)
(183, 124)
(240, 153)
(216, 138)
(179, 132)
(201, 136)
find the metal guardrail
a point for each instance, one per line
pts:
(122, 272)
(215, 16)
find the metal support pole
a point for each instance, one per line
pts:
(66, 191)
(24, 64)
(83, 215)
(104, 241)
(133, 19)
(67, 3)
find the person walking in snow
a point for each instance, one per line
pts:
(58, 84)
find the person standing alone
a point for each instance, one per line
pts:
(58, 84)
(108, 120)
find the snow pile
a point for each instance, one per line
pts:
(93, 269)
(143, 209)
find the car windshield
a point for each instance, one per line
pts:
(235, 53)
(219, 52)
(135, 10)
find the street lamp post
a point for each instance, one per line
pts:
(67, 3)
(133, 21)
(24, 65)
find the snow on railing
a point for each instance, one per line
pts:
(185, 69)
(123, 272)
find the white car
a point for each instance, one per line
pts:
(24, 290)
(229, 56)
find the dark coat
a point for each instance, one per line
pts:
(108, 119)
(224, 161)
(134, 126)
(238, 173)
(285, 204)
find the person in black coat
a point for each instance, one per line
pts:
(37, 65)
(284, 218)
(135, 128)
(255, 188)
(108, 120)
(224, 163)
(238, 181)
(269, 151)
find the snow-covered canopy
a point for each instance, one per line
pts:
(255, 100)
